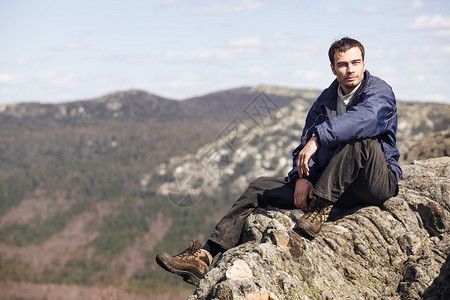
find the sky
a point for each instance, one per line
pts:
(67, 50)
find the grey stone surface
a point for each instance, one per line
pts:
(397, 251)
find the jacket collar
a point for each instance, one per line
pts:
(361, 89)
(329, 98)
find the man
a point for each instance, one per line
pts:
(347, 157)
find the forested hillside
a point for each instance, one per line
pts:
(71, 200)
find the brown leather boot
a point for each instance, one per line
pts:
(191, 264)
(317, 213)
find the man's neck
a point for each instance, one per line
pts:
(344, 100)
(345, 90)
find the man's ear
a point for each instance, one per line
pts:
(332, 69)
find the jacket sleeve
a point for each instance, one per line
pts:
(371, 117)
(312, 119)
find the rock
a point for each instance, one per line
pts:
(437, 145)
(239, 270)
(397, 251)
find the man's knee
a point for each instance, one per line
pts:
(366, 148)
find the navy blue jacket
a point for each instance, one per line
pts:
(372, 113)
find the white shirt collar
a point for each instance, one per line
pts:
(346, 98)
(343, 101)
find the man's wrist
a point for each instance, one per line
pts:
(302, 179)
(315, 140)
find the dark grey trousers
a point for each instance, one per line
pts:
(356, 175)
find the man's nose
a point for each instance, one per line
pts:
(350, 69)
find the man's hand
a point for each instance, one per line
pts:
(303, 191)
(305, 155)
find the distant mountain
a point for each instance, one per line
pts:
(130, 104)
(91, 190)
(136, 104)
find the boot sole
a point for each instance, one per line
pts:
(303, 227)
(187, 276)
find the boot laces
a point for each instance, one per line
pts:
(318, 209)
(192, 251)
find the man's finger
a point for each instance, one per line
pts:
(305, 168)
(298, 201)
(299, 167)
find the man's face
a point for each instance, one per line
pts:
(349, 68)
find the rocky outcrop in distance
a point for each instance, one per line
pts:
(397, 251)
(436, 144)
(263, 145)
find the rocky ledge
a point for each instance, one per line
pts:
(397, 251)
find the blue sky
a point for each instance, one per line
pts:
(57, 51)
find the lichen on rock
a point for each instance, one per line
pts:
(397, 251)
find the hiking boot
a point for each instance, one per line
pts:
(317, 213)
(191, 264)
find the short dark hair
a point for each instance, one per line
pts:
(343, 45)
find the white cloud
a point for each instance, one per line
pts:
(198, 55)
(26, 61)
(333, 9)
(442, 33)
(417, 5)
(370, 9)
(254, 41)
(258, 72)
(388, 70)
(70, 46)
(184, 80)
(47, 75)
(307, 75)
(211, 54)
(55, 78)
(227, 7)
(167, 2)
(381, 53)
(275, 45)
(446, 50)
(6, 78)
(413, 7)
(431, 22)
(420, 77)
(281, 36)
(297, 51)
(23, 61)
(430, 53)
(4, 92)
